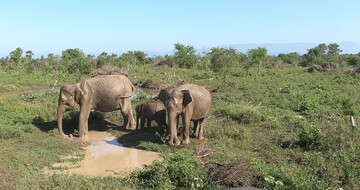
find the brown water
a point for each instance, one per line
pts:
(106, 157)
(150, 93)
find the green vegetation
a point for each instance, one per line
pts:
(269, 127)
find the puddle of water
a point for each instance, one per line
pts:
(150, 93)
(106, 157)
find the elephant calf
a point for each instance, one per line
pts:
(149, 111)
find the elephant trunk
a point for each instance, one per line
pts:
(60, 113)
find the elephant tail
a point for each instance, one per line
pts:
(127, 96)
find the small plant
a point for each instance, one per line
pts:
(309, 137)
(178, 170)
(163, 137)
(272, 183)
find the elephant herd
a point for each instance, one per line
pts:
(108, 93)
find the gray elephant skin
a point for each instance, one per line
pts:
(103, 93)
(148, 111)
(190, 101)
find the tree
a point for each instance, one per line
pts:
(333, 53)
(257, 56)
(133, 58)
(290, 58)
(74, 61)
(29, 54)
(16, 55)
(223, 58)
(333, 49)
(322, 53)
(102, 58)
(184, 56)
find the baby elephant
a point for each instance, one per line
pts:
(149, 111)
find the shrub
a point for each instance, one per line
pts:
(179, 170)
(354, 60)
(309, 137)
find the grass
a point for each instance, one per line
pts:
(283, 128)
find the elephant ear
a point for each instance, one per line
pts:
(77, 94)
(187, 98)
(163, 95)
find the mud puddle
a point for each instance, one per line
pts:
(106, 157)
(149, 93)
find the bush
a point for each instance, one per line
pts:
(179, 170)
(309, 137)
(354, 60)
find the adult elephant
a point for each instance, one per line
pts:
(190, 101)
(103, 93)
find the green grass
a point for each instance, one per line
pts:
(284, 128)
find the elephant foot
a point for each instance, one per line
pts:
(84, 138)
(66, 136)
(201, 137)
(133, 127)
(177, 143)
(185, 141)
(130, 127)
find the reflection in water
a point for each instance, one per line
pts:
(106, 157)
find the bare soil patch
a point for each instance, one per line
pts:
(325, 67)
(109, 70)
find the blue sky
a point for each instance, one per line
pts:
(156, 25)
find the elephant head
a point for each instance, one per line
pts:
(70, 95)
(175, 102)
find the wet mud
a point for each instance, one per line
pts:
(106, 157)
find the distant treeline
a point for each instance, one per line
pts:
(217, 59)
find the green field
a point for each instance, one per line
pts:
(273, 128)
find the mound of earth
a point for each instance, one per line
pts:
(325, 67)
(152, 84)
(277, 64)
(161, 63)
(108, 70)
(352, 71)
(234, 174)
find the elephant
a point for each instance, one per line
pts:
(192, 102)
(103, 93)
(151, 110)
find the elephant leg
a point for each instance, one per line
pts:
(186, 128)
(202, 127)
(83, 121)
(126, 111)
(177, 122)
(142, 123)
(148, 122)
(137, 121)
(196, 128)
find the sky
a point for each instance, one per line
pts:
(116, 26)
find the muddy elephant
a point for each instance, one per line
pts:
(103, 93)
(190, 101)
(148, 111)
